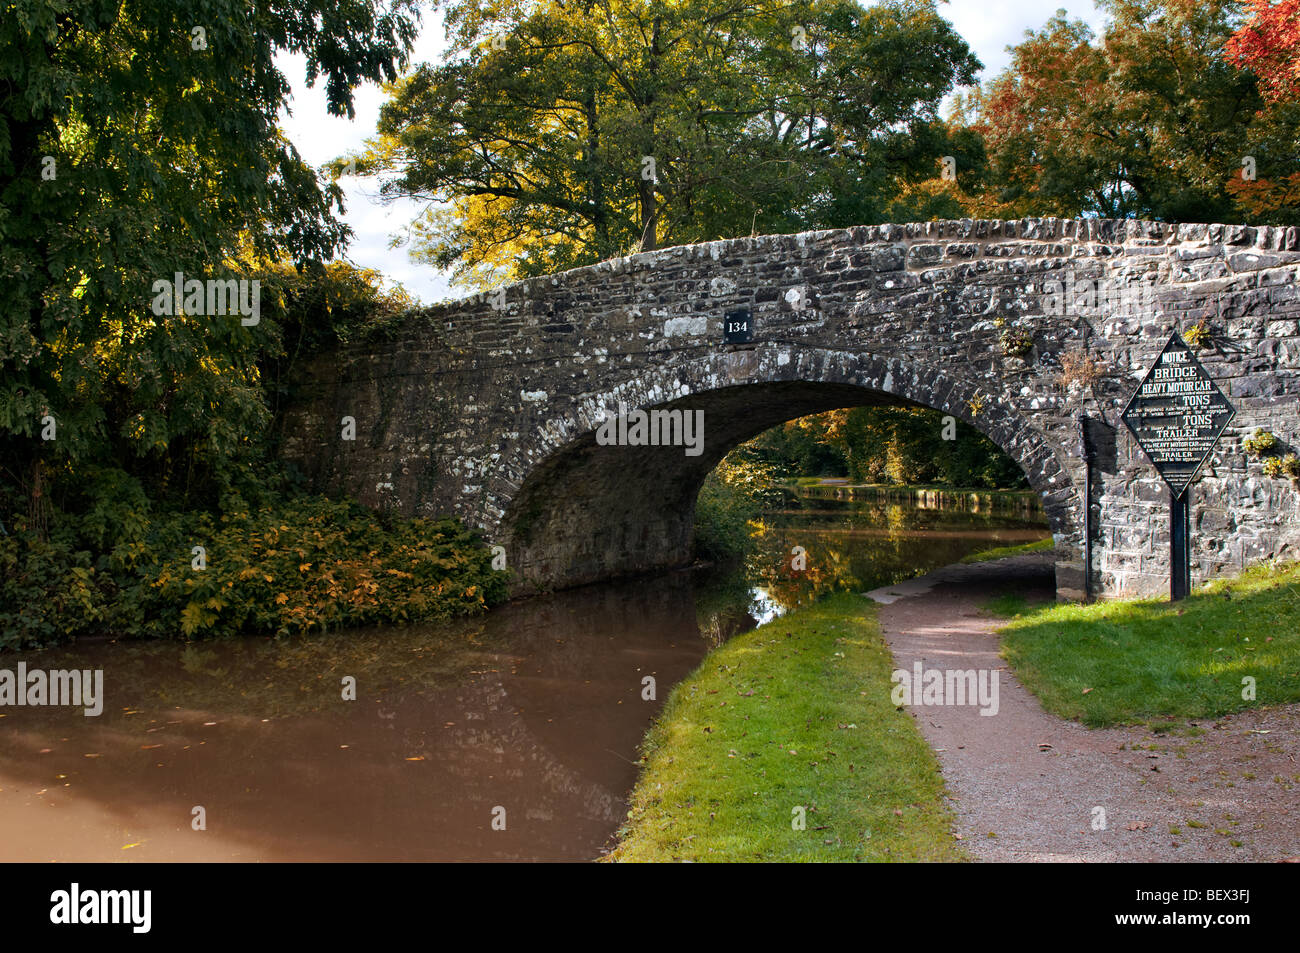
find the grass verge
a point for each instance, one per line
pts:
(795, 714)
(1003, 552)
(1138, 660)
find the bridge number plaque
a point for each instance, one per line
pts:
(1177, 415)
(738, 327)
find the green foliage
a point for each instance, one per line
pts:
(49, 590)
(1016, 342)
(1198, 335)
(1150, 121)
(536, 147)
(902, 445)
(731, 500)
(295, 565)
(318, 307)
(133, 147)
(117, 556)
(310, 565)
(801, 448)
(1262, 443)
(906, 445)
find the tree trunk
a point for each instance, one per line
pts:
(649, 214)
(38, 506)
(647, 199)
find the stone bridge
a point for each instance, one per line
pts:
(1034, 331)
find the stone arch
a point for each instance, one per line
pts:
(577, 512)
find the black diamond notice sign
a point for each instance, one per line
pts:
(1177, 414)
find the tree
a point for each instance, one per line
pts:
(1152, 122)
(138, 139)
(905, 445)
(1268, 44)
(558, 134)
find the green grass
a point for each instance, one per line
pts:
(1007, 606)
(1040, 546)
(1148, 660)
(793, 714)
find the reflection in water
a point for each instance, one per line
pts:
(536, 708)
(858, 546)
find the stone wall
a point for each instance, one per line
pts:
(486, 408)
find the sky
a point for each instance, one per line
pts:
(989, 26)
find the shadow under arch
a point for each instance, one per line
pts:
(586, 512)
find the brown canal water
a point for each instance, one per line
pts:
(531, 714)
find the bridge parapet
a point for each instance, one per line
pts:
(486, 408)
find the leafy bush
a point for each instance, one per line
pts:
(294, 566)
(48, 591)
(1261, 444)
(1198, 335)
(733, 497)
(1016, 342)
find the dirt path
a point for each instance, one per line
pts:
(1025, 784)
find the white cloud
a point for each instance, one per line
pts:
(320, 137)
(990, 26)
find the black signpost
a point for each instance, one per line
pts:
(1177, 415)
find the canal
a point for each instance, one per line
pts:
(511, 736)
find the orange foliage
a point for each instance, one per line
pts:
(1268, 45)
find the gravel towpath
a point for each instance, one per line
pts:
(1025, 785)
